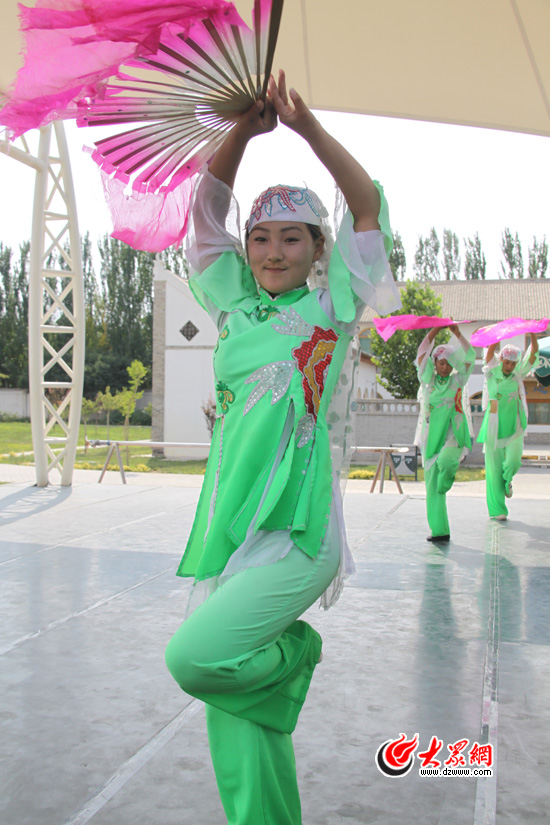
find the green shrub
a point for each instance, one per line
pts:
(8, 418)
(141, 418)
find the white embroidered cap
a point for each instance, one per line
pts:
(443, 351)
(287, 203)
(510, 353)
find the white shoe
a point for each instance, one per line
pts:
(502, 517)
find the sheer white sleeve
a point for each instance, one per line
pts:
(365, 256)
(424, 349)
(490, 365)
(368, 265)
(213, 224)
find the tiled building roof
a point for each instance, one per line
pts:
(488, 301)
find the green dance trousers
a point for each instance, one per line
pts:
(501, 465)
(245, 654)
(439, 480)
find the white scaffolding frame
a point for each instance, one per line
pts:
(56, 306)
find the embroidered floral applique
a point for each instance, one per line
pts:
(304, 429)
(275, 377)
(265, 313)
(225, 396)
(290, 323)
(221, 337)
(313, 358)
(458, 401)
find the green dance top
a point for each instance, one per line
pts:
(442, 416)
(509, 393)
(277, 365)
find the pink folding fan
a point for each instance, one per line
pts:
(175, 72)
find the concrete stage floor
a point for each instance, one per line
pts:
(451, 642)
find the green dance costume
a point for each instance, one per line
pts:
(502, 431)
(268, 536)
(443, 432)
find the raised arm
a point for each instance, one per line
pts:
(426, 346)
(357, 187)
(464, 343)
(259, 120)
(490, 354)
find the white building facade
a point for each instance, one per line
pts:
(184, 338)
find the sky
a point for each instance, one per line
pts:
(435, 175)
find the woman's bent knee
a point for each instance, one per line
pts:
(191, 666)
(179, 663)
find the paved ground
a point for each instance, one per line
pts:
(449, 642)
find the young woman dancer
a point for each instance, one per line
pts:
(268, 537)
(505, 420)
(443, 432)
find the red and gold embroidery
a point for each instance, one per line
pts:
(313, 358)
(458, 400)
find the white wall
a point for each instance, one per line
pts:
(15, 402)
(188, 372)
(366, 384)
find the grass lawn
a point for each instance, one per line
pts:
(16, 448)
(16, 438)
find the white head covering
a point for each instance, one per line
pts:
(510, 353)
(287, 203)
(443, 351)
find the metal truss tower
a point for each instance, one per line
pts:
(56, 307)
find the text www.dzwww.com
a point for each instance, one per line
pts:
(475, 772)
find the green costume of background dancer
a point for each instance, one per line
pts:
(268, 537)
(443, 432)
(505, 421)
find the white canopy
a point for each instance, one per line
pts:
(474, 62)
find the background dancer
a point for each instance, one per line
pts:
(505, 420)
(444, 428)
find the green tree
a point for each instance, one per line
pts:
(126, 279)
(512, 265)
(395, 358)
(174, 260)
(127, 397)
(475, 264)
(397, 258)
(426, 257)
(108, 403)
(14, 314)
(89, 407)
(451, 255)
(538, 258)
